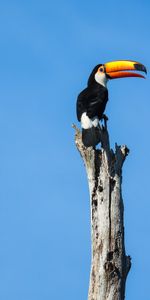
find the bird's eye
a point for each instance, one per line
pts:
(101, 69)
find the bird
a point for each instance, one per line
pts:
(91, 102)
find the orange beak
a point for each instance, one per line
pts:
(120, 68)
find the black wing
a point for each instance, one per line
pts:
(92, 101)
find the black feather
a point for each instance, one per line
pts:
(93, 101)
(91, 136)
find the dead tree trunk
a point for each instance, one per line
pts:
(110, 265)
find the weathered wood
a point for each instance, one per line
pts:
(110, 265)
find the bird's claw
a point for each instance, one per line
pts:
(104, 117)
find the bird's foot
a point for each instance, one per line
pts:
(105, 118)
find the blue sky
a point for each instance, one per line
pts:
(48, 50)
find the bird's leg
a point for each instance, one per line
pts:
(105, 118)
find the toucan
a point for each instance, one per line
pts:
(91, 102)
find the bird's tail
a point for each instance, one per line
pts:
(91, 136)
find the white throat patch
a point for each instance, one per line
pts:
(101, 78)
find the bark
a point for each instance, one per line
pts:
(109, 265)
